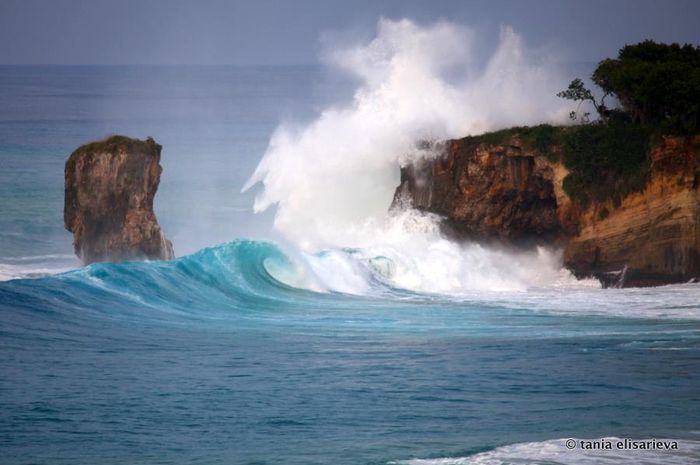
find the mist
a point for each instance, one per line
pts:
(330, 177)
(331, 181)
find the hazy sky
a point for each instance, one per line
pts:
(270, 32)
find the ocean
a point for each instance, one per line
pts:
(303, 333)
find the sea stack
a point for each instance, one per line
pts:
(109, 191)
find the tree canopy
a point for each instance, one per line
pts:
(655, 84)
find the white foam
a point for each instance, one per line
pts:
(407, 251)
(555, 452)
(332, 180)
(679, 301)
(36, 266)
(340, 171)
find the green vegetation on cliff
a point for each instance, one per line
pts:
(543, 137)
(657, 87)
(605, 160)
(113, 144)
(655, 84)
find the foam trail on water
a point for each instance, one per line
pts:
(332, 180)
(555, 452)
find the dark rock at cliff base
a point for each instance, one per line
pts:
(500, 192)
(109, 191)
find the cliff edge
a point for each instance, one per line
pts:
(500, 192)
(510, 192)
(653, 236)
(109, 190)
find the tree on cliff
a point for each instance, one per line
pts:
(578, 93)
(655, 84)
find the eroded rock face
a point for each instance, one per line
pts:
(653, 236)
(509, 193)
(109, 191)
(502, 192)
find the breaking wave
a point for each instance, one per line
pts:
(332, 180)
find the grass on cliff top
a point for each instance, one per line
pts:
(542, 138)
(112, 144)
(606, 161)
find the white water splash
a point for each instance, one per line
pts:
(333, 180)
(341, 170)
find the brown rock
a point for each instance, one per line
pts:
(109, 191)
(653, 236)
(513, 194)
(502, 192)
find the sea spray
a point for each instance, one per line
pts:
(408, 252)
(332, 180)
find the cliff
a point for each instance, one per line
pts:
(109, 190)
(654, 234)
(486, 192)
(509, 192)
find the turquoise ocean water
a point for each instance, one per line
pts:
(227, 356)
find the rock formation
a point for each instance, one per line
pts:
(653, 236)
(486, 192)
(109, 191)
(510, 193)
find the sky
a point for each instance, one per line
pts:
(294, 31)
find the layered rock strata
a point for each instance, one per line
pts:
(109, 190)
(512, 194)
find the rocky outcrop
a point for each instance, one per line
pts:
(109, 191)
(500, 192)
(510, 193)
(653, 236)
